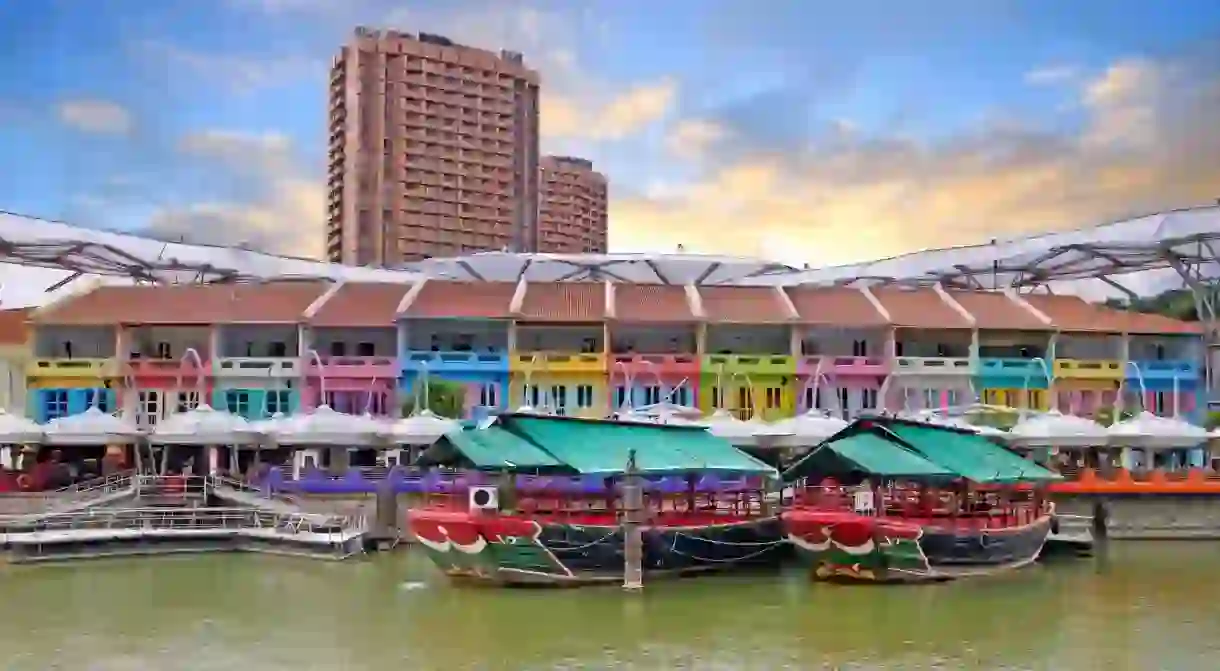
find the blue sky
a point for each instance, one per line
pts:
(799, 129)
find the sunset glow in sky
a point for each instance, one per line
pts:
(801, 130)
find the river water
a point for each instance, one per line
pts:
(1144, 606)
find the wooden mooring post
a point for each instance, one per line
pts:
(632, 516)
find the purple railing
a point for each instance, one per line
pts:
(405, 481)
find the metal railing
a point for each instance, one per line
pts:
(247, 488)
(214, 519)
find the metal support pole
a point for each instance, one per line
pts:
(633, 541)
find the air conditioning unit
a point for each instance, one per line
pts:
(484, 498)
(862, 503)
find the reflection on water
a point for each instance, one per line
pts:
(1148, 606)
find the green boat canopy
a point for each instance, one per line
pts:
(970, 454)
(591, 447)
(492, 448)
(897, 448)
(870, 454)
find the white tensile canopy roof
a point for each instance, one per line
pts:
(1146, 254)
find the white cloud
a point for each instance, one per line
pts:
(237, 72)
(283, 214)
(1148, 143)
(690, 138)
(102, 117)
(589, 115)
(1052, 75)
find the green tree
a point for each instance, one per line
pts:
(447, 399)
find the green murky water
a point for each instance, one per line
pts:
(1145, 607)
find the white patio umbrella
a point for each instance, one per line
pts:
(326, 426)
(722, 424)
(204, 425)
(17, 430)
(91, 427)
(1055, 429)
(809, 428)
(422, 428)
(1146, 430)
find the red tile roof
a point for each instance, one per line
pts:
(1145, 323)
(439, 299)
(835, 306)
(651, 303)
(744, 305)
(14, 329)
(995, 311)
(564, 302)
(361, 304)
(1071, 313)
(187, 304)
(919, 309)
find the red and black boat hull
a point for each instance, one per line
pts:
(513, 550)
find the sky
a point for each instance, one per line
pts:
(805, 131)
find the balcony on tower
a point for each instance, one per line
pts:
(654, 338)
(933, 339)
(560, 359)
(748, 366)
(843, 339)
(459, 332)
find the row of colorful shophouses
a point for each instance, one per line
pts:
(589, 349)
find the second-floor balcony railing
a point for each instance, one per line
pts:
(415, 361)
(353, 366)
(72, 368)
(659, 364)
(1088, 369)
(143, 367)
(1181, 369)
(842, 365)
(749, 364)
(257, 366)
(933, 365)
(558, 362)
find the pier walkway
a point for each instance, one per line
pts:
(148, 515)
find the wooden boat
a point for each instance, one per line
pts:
(545, 503)
(905, 501)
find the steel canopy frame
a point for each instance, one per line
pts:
(31, 241)
(1185, 241)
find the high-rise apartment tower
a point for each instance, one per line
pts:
(572, 207)
(433, 150)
